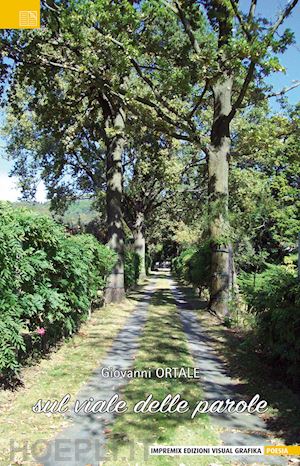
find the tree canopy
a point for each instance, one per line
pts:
(161, 105)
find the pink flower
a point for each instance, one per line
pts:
(41, 331)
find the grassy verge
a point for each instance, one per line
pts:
(63, 371)
(163, 344)
(253, 373)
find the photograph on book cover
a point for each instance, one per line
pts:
(149, 232)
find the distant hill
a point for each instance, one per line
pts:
(78, 212)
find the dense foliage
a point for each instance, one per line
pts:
(159, 111)
(271, 304)
(274, 298)
(48, 280)
(131, 268)
(193, 266)
(96, 72)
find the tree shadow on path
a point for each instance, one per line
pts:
(254, 374)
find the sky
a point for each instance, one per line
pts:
(290, 60)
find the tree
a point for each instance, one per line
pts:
(264, 184)
(72, 93)
(226, 75)
(190, 66)
(152, 176)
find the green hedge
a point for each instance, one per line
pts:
(48, 281)
(274, 297)
(131, 268)
(148, 263)
(193, 266)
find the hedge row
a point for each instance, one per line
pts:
(274, 297)
(193, 266)
(48, 281)
(131, 268)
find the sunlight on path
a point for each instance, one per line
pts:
(84, 440)
(166, 335)
(237, 428)
(163, 346)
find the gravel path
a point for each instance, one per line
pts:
(236, 428)
(82, 443)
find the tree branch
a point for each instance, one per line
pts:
(252, 10)
(139, 71)
(190, 133)
(283, 91)
(243, 91)
(188, 29)
(14, 52)
(284, 14)
(199, 100)
(240, 20)
(55, 8)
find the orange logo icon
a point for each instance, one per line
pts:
(20, 14)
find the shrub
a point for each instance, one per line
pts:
(48, 280)
(199, 267)
(148, 263)
(193, 266)
(274, 297)
(131, 268)
(180, 265)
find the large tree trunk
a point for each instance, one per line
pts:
(139, 242)
(218, 168)
(115, 291)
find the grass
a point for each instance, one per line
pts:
(253, 373)
(63, 371)
(163, 344)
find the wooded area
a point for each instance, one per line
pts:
(159, 112)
